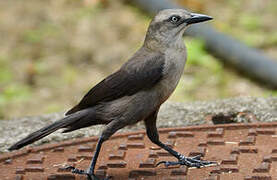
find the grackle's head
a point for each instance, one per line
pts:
(168, 25)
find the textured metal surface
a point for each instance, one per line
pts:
(245, 151)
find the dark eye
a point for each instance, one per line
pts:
(174, 19)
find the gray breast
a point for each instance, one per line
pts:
(173, 70)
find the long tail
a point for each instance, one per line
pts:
(67, 122)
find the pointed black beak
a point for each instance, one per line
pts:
(197, 18)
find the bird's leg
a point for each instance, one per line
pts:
(90, 171)
(152, 133)
(109, 130)
(183, 160)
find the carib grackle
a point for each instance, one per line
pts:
(136, 91)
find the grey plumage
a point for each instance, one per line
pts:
(136, 91)
(132, 77)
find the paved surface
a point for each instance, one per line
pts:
(244, 151)
(241, 109)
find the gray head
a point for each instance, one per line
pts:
(168, 26)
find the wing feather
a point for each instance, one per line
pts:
(139, 73)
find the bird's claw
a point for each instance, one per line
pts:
(168, 163)
(189, 162)
(74, 170)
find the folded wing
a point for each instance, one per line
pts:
(139, 73)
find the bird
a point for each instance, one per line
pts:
(135, 91)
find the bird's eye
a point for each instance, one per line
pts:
(174, 19)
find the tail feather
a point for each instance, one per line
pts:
(63, 123)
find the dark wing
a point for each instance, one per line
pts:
(140, 72)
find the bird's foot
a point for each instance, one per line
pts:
(189, 162)
(90, 175)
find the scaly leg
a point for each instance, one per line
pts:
(109, 130)
(152, 133)
(90, 171)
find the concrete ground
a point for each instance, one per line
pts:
(240, 109)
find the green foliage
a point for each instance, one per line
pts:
(254, 39)
(40, 66)
(272, 39)
(274, 93)
(70, 74)
(250, 22)
(52, 108)
(87, 11)
(14, 93)
(38, 34)
(198, 56)
(5, 75)
(5, 72)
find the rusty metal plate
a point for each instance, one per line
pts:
(244, 151)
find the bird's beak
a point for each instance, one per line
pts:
(197, 18)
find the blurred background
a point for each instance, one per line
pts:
(53, 51)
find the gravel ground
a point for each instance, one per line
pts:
(171, 115)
